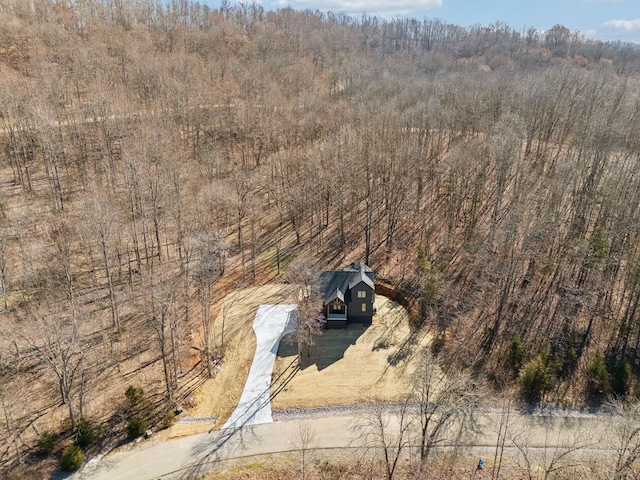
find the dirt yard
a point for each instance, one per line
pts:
(344, 367)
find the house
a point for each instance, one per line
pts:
(348, 295)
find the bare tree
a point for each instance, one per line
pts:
(504, 425)
(210, 249)
(62, 234)
(7, 400)
(387, 429)
(242, 189)
(309, 316)
(101, 220)
(162, 317)
(304, 438)
(546, 446)
(56, 339)
(624, 436)
(4, 287)
(442, 400)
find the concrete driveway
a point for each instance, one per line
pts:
(271, 323)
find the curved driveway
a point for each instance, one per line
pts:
(272, 322)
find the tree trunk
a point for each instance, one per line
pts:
(115, 319)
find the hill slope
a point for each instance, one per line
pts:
(153, 159)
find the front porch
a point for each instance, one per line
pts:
(336, 320)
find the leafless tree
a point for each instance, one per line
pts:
(385, 428)
(442, 401)
(211, 248)
(309, 317)
(304, 438)
(62, 234)
(624, 437)
(7, 400)
(504, 426)
(101, 221)
(559, 450)
(160, 308)
(56, 339)
(4, 287)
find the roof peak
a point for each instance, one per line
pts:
(358, 267)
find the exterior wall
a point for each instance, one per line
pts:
(354, 304)
(334, 324)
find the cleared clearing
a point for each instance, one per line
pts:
(344, 367)
(350, 366)
(220, 395)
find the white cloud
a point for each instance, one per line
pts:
(625, 30)
(628, 25)
(384, 8)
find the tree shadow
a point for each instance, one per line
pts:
(215, 447)
(406, 348)
(328, 349)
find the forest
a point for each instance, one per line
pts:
(156, 155)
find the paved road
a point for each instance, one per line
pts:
(190, 456)
(187, 457)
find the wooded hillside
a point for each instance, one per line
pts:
(154, 156)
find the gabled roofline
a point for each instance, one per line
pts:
(361, 277)
(339, 294)
(336, 284)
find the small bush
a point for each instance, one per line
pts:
(621, 383)
(535, 377)
(598, 381)
(169, 419)
(136, 427)
(517, 353)
(85, 433)
(47, 442)
(72, 458)
(599, 243)
(569, 361)
(135, 396)
(330, 470)
(137, 401)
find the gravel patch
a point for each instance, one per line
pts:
(197, 420)
(328, 411)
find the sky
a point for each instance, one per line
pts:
(599, 19)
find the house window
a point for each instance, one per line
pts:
(362, 294)
(364, 307)
(336, 307)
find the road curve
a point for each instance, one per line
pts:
(188, 457)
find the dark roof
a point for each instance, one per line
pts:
(334, 284)
(358, 266)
